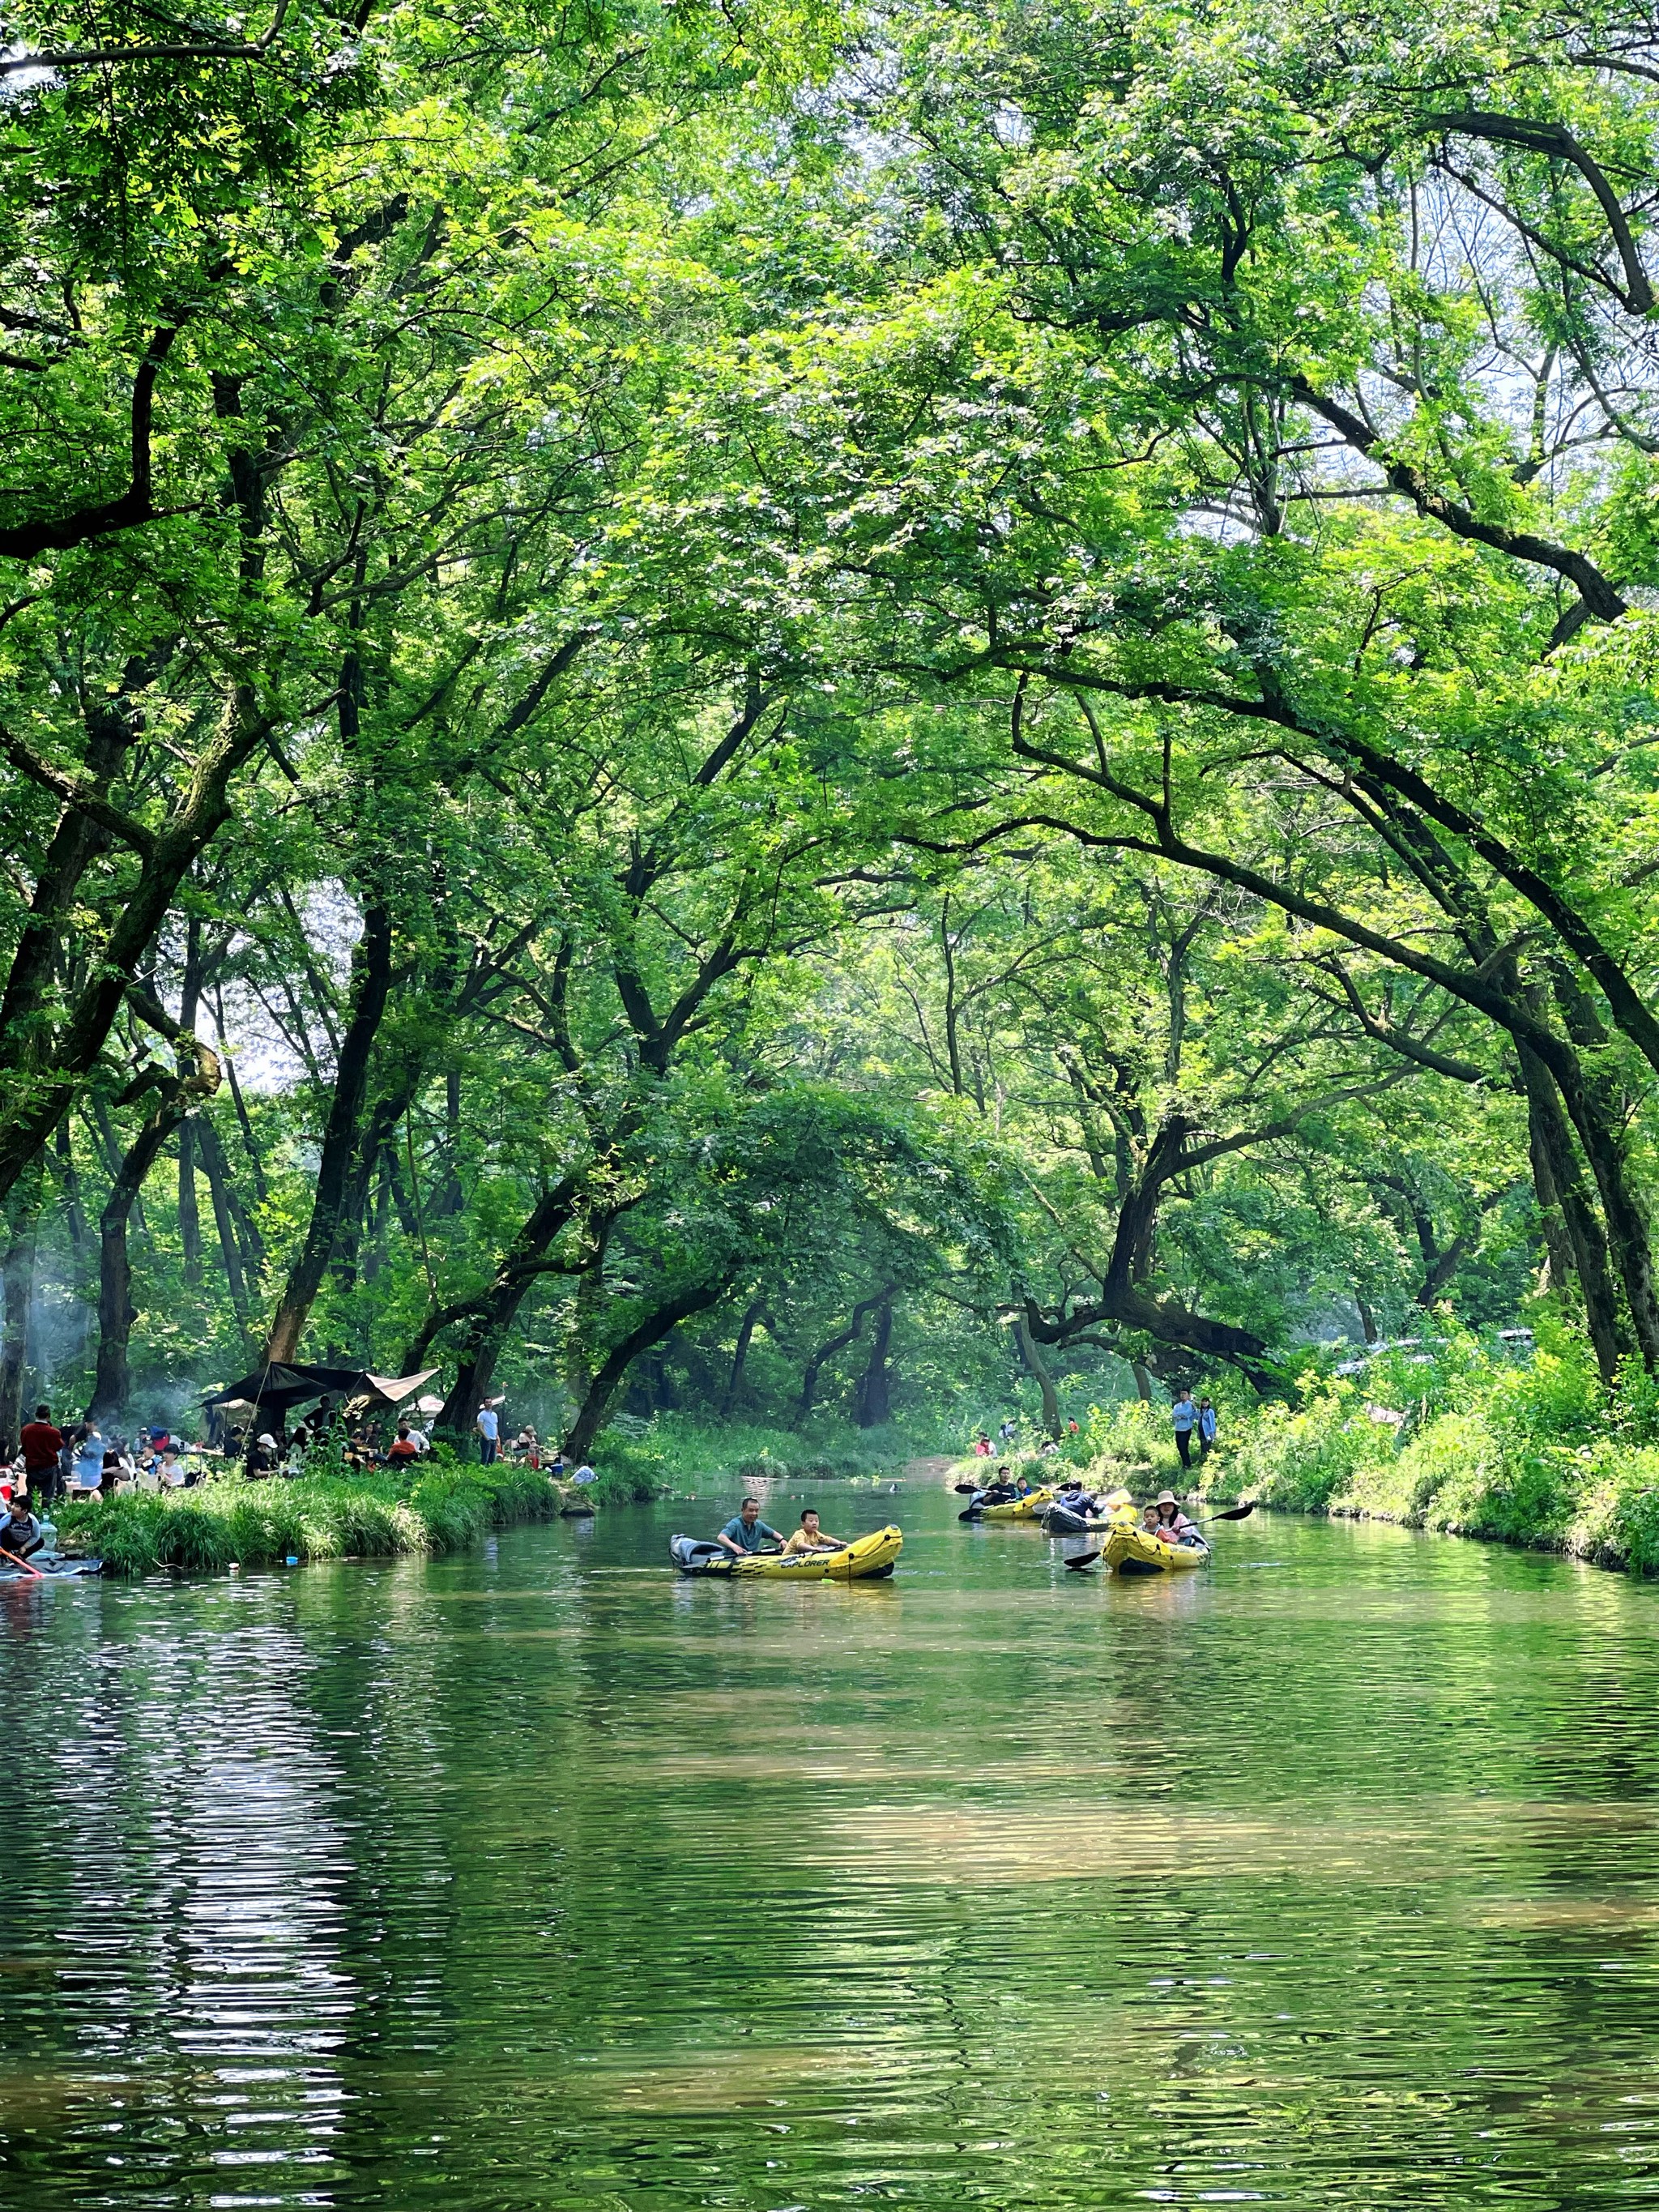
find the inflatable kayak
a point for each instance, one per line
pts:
(50, 1569)
(1018, 1509)
(1061, 1521)
(869, 1559)
(1133, 1552)
(1109, 1513)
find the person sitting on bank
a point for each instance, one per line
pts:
(809, 1537)
(21, 1533)
(402, 1446)
(1173, 1526)
(745, 1532)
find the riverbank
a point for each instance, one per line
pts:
(1460, 1474)
(1535, 1452)
(260, 1524)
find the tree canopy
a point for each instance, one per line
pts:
(769, 706)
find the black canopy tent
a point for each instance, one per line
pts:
(277, 1389)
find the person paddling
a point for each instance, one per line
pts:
(745, 1532)
(1173, 1526)
(809, 1537)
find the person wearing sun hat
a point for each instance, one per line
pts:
(1173, 1526)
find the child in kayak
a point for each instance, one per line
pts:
(809, 1537)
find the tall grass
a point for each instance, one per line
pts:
(442, 1509)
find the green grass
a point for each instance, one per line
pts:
(442, 1509)
(1536, 1454)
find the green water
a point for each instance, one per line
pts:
(540, 1877)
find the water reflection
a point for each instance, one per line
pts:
(541, 1877)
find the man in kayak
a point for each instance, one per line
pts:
(809, 1537)
(1172, 1525)
(1000, 1492)
(1075, 1498)
(745, 1532)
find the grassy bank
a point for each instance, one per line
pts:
(442, 1509)
(1537, 1452)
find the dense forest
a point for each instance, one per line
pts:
(754, 708)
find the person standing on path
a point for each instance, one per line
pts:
(488, 1425)
(41, 1444)
(1184, 1414)
(1205, 1427)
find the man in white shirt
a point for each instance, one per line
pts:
(489, 1426)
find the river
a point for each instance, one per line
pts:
(539, 1878)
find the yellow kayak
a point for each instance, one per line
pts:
(1018, 1509)
(1133, 1552)
(867, 1560)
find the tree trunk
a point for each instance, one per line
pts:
(238, 1236)
(1143, 1382)
(224, 1220)
(874, 1407)
(752, 1314)
(112, 1379)
(190, 1223)
(660, 1322)
(372, 963)
(24, 1222)
(245, 1124)
(1367, 1319)
(80, 1236)
(60, 1076)
(1036, 1367)
(850, 1334)
(490, 1315)
(449, 1199)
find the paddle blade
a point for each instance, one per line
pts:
(967, 1489)
(972, 1514)
(1236, 1512)
(1083, 1559)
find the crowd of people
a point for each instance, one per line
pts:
(79, 1460)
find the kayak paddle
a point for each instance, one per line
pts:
(24, 1564)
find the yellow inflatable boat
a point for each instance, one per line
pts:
(1028, 1508)
(1134, 1552)
(868, 1559)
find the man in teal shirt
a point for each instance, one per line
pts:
(745, 1532)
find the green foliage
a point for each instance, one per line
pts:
(322, 1517)
(1534, 1453)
